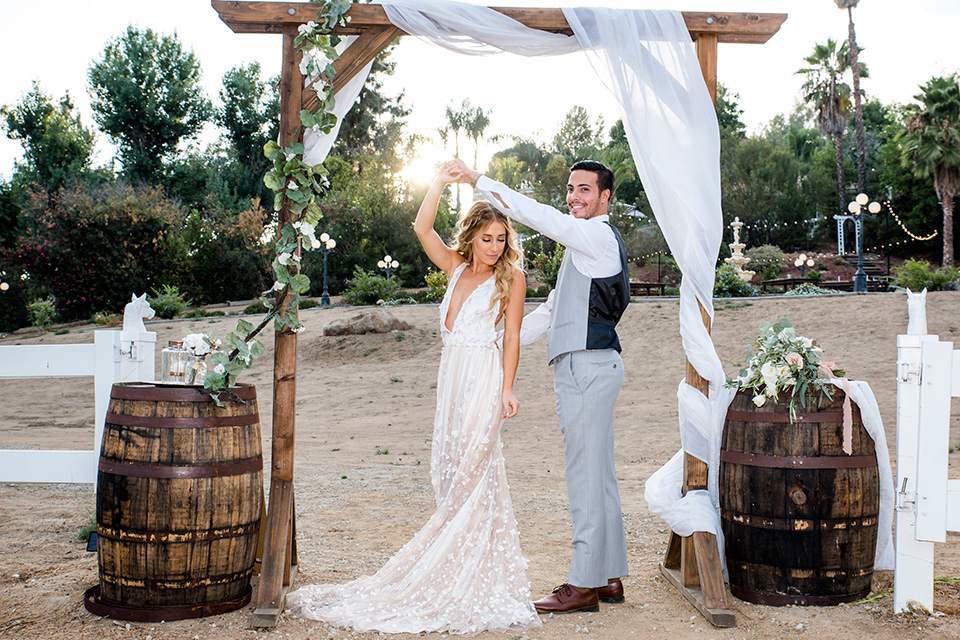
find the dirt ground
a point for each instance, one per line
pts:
(364, 420)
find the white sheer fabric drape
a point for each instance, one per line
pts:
(317, 145)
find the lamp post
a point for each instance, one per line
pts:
(388, 264)
(856, 209)
(326, 244)
(803, 263)
(4, 285)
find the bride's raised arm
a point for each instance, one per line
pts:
(439, 253)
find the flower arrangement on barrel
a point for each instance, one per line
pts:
(780, 361)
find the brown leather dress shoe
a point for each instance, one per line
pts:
(613, 592)
(566, 599)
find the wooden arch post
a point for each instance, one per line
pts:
(695, 560)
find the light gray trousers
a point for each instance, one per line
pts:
(587, 384)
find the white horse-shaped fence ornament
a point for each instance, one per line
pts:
(135, 311)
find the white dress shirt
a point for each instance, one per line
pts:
(592, 245)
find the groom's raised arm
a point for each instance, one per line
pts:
(590, 240)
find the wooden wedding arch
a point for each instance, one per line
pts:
(692, 564)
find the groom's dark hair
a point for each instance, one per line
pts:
(604, 175)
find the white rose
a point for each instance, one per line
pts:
(284, 258)
(277, 286)
(759, 400)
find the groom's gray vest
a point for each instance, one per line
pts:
(586, 310)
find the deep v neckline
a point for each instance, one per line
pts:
(446, 318)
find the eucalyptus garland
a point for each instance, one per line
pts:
(299, 187)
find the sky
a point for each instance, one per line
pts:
(905, 44)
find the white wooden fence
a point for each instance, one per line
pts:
(928, 504)
(114, 356)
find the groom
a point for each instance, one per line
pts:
(580, 318)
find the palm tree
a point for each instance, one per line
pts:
(930, 145)
(857, 108)
(456, 121)
(830, 97)
(476, 123)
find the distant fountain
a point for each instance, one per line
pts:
(737, 259)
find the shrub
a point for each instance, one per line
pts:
(769, 272)
(839, 261)
(43, 312)
(543, 290)
(436, 285)
(255, 308)
(729, 285)
(203, 313)
(764, 256)
(919, 274)
(309, 303)
(104, 318)
(548, 265)
(808, 289)
(167, 302)
(367, 288)
(815, 275)
(419, 295)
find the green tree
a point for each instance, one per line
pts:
(577, 139)
(729, 114)
(763, 185)
(931, 146)
(858, 71)
(375, 122)
(56, 145)
(476, 123)
(457, 120)
(250, 114)
(147, 97)
(823, 90)
(508, 170)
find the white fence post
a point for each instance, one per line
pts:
(928, 504)
(913, 570)
(115, 356)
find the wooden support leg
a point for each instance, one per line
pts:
(276, 574)
(692, 564)
(279, 557)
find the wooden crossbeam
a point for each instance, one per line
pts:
(367, 47)
(269, 17)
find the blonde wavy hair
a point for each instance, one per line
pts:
(471, 225)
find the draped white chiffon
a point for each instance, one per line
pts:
(463, 571)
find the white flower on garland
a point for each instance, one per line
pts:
(307, 29)
(277, 286)
(220, 369)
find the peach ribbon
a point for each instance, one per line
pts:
(847, 419)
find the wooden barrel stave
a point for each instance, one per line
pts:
(178, 541)
(794, 534)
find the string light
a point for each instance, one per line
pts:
(904, 227)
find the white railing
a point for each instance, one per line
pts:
(928, 503)
(114, 356)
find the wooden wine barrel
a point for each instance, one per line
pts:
(179, 498)
(798, 514)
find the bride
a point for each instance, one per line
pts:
(463, 571)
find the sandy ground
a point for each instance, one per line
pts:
(364, 419)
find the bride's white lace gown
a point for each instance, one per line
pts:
(463, 572)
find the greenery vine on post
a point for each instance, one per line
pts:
(299, 187)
